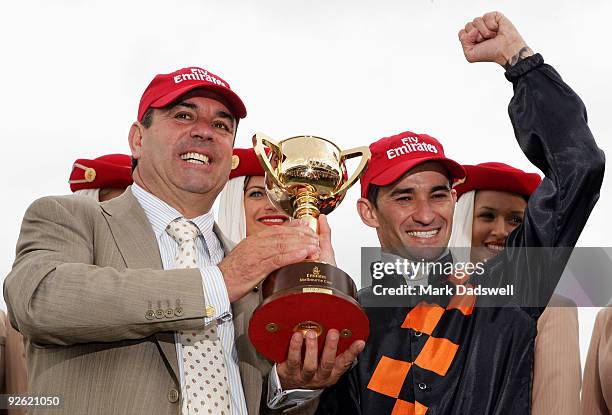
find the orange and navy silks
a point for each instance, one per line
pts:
(442, 360)
(416, 355)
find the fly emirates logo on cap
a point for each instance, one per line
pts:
(409, 145)
(198, 74)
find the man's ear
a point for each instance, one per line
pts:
(367, 212)
(454, 195)
(135, 139)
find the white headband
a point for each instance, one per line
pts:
(231, 218)
(461, 236)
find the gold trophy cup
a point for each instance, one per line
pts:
(306, 176)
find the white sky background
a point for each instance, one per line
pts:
(353, 71)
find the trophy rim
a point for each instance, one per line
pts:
(311, 136)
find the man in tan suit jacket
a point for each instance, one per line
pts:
(89, 339)
(111, 175)
(87, 289)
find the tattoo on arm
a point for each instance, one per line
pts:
(522, 54)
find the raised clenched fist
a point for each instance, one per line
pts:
(493, 38)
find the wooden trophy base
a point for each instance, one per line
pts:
(306, 296)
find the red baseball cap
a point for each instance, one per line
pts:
(498, 176)
(110, 171)
(164, 89)
(245, 163)
(393, 156)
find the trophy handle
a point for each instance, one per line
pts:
(259, 140)
(365, 154)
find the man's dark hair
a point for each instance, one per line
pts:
(147, 121)
(373, 194)
(147, 118)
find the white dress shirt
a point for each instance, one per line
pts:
(210, 253)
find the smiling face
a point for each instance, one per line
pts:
(258, 210)
(496, 214)
(413, 216)
(184, 156)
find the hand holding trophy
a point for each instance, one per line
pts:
(307, 176)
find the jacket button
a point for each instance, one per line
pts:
(160, 313)
(169, 313)
(422, 386)
(150, 315)
(173, 395)
(418, 333)
(178, 311)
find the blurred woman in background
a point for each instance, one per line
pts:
(244, 207)
(102, 178)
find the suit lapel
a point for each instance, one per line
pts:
(226, 244)
(136, 241)
(132, 232)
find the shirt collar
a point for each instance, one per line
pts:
(160, 214)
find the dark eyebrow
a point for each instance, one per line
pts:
(410, 190)
(227, 116)
(401, 191)
(513, 212)
(184, 104)
(192, 106)
(255, 187)
(443, 187)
